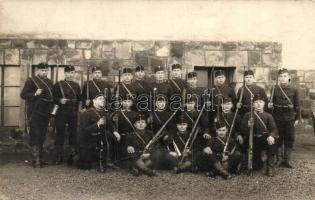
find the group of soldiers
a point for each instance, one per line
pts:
(169, 123)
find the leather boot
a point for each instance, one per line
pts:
(36, 157)
(287, 158)
(270, 170)
(279, 156)
(71, 156)
(60, 154)
(221, 171)
(41, 155)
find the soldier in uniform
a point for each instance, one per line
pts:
(160, 87)
(265, 134)
(221, 156)
(194, 91)
(249, 91)
(177, 84)
(286, 112)
(67, 95)
(95, 86)
(128, 88)
(142, 90)
(95, 136)
(140, 161)
(123, 125)
(37, 92)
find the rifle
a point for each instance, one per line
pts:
(235, 115)
(158, 134)
(117, 98)
(273, 90)
(87, 79)
(250, 139)
(27, 122)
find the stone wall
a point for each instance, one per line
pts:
(263, 57)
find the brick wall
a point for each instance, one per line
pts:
(263, 57)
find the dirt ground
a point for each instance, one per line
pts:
(19, 181)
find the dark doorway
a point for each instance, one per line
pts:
(204, 74)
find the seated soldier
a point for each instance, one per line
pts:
(265, 133)
(95, 136)
(221, 156)
(139, 161)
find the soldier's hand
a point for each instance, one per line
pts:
(173, 153)
(225, 157)
(63, 101)
(291, 106)
(117, 135)
(208, 103)
(250, 122)
(101, 122)
(207, 136)
(296, 123)
(207, 151)
(38, 92)
(130, 149)
(240, 139)
(87, 102)
(270, 105)
(165, 137)
(186, 152)
(270, 140)
(239, 105)
(145, 156)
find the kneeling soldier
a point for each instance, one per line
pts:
(140, 162)
(222, 155)
(95, 136)
(265, 133)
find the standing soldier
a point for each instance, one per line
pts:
(142, 90)
(67, 96)
(128, 88)
(193, 90)
(250, 90)
(37, 92)
(177, 84)
(160, 87)
(286, 111)
(265, 133)
(95, 135)
(95, 86)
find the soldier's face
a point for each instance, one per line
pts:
(69, 75)
(249, 79)
(222, 131)
(192, 81)
(159, 75)
(127, 77)
(97, 74)
(259, 105)
(160, 104)
(191, 105)
(227, 107)
(220, 79)
(127, 103)
(140, 74)
(99, 102)
(42, 72)
(140, 124)
(284, 78)
(177, 73)
(182, 127)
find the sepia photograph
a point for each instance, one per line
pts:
(156, 99)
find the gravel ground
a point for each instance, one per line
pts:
(18, 181)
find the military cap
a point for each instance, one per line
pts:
(181, 119)
(258, 97)
(191, 75)
(248, 72)
(69, 68)
(139, 117)
(220, 124)
(219, 73)
(96, 68)
(96, 95)
(158, 68)
(227, 99)
(127, 70)
(176, 66)
(42, 66)
(283, 70)
(139, 68)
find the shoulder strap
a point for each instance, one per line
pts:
(261, 121)
(49, 90)
(36, 84)
(61, 90)
(176, 85)
(135, 131)
(96, 86)
(128, 91)
(286, 96)
(71, 88)
(140, 85)
(189, 117)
